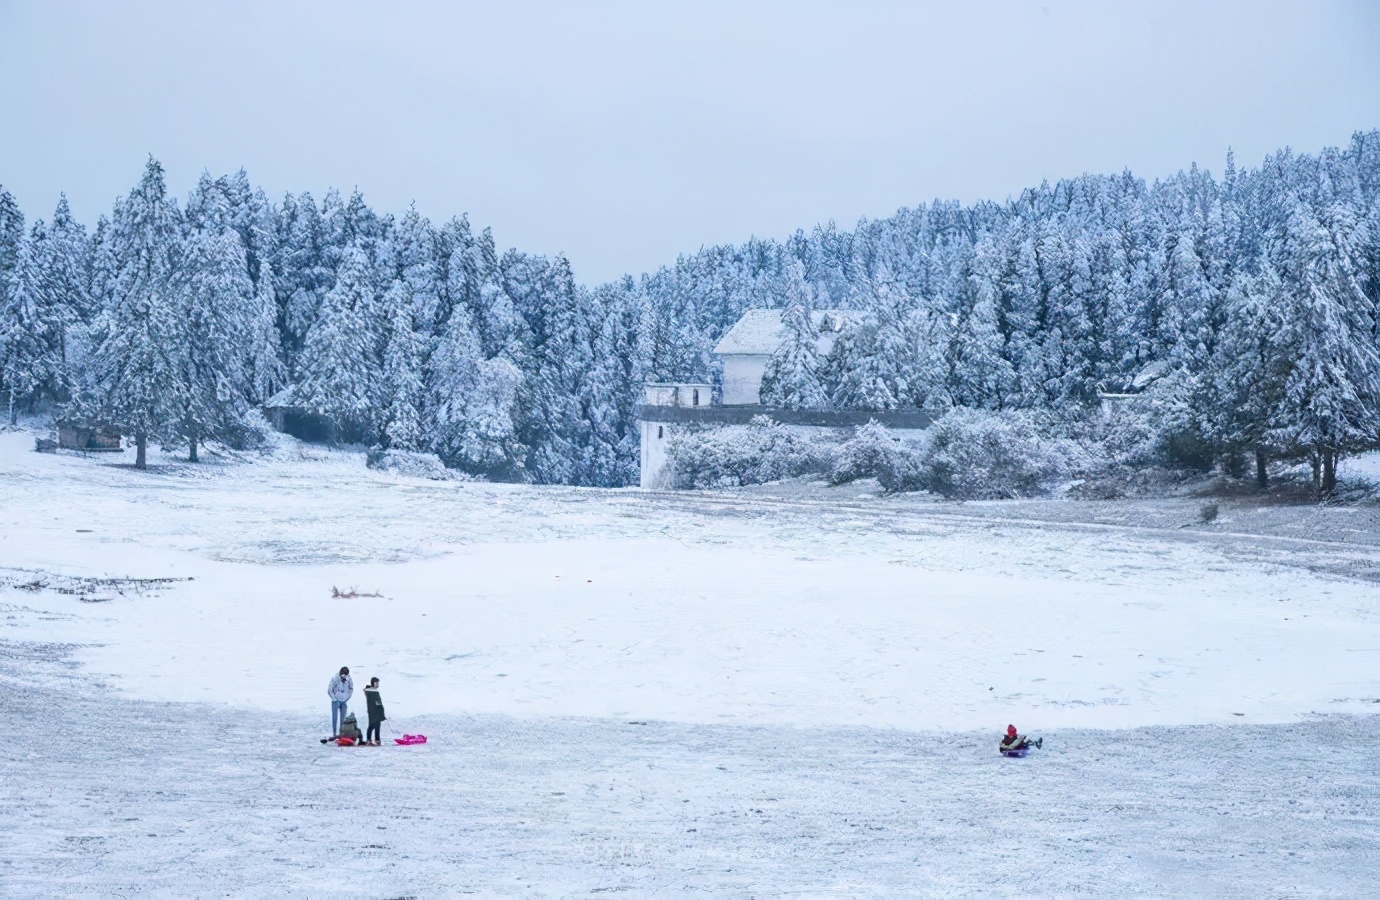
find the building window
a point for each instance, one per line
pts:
(695, 399)
(658, 432)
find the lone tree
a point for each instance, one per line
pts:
(1331, 403)
(137, 354)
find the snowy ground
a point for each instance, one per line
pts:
(817, 682)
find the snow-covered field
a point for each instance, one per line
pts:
(667, 694)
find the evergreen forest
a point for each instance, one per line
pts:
(1249, 304)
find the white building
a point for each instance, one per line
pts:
(660, 402)
(745, 350)
(748, 345)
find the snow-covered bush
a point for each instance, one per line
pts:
(413, 464)
(873, 452)
(251, 432)
(966, 453)
(756, 453)
(864, 455)
(1131, 449)
(1129, 437)
(973, 454)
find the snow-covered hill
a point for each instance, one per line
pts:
(550, 601)
(821, 680)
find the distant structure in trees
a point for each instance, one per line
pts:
(1110, 401)
(745, 350)
(286, 415)
(89, 437)
(749, 344)
(663, 406)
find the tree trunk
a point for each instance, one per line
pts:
(1317, 470)
(1329, 471)
(1262, 477)
(191, 457)
(14, 413)
(141, 443)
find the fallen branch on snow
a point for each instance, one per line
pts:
(351, 594)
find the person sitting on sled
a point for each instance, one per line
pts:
(349, 733)
(1014, 741)
(374, 703)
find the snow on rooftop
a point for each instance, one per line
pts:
(759, 331)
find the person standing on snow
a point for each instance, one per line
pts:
(341, 688)
(374, 703)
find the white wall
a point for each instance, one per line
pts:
(687, 394)
(743, 379)
(654, 438)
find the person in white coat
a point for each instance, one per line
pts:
(341, 688)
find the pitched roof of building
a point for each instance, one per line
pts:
(759, 331)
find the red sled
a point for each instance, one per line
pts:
(408, 740)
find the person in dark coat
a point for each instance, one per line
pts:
(374, 705)
(1014, 740)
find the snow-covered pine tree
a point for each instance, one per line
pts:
(403, 361)
(208, 205)
(452, 378)
(473, 401)
(1073, 354)
(1191, 308)
(981, 375)
(234, 225)
(99, 282)
(792, 376)
(557, 388)
(1251, 367)
(858, 375)
(1022, 292)
(31, 326)
(501, 330)
(46, 300)
(875, 360)
(215, 298)
(11, 239)
(460, 286)
(472, 279)
(263, 356)
(70, 264)
(415, 264)
(1332, 394)
(252, 216)
(302, 273)
(351, 224)
(927, 332)
(11, 232)
(622, 358)
(491, 446)
(337, 371)
(135, 365)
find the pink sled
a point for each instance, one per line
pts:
(408, 740)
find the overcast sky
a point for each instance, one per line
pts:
(624, 134)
